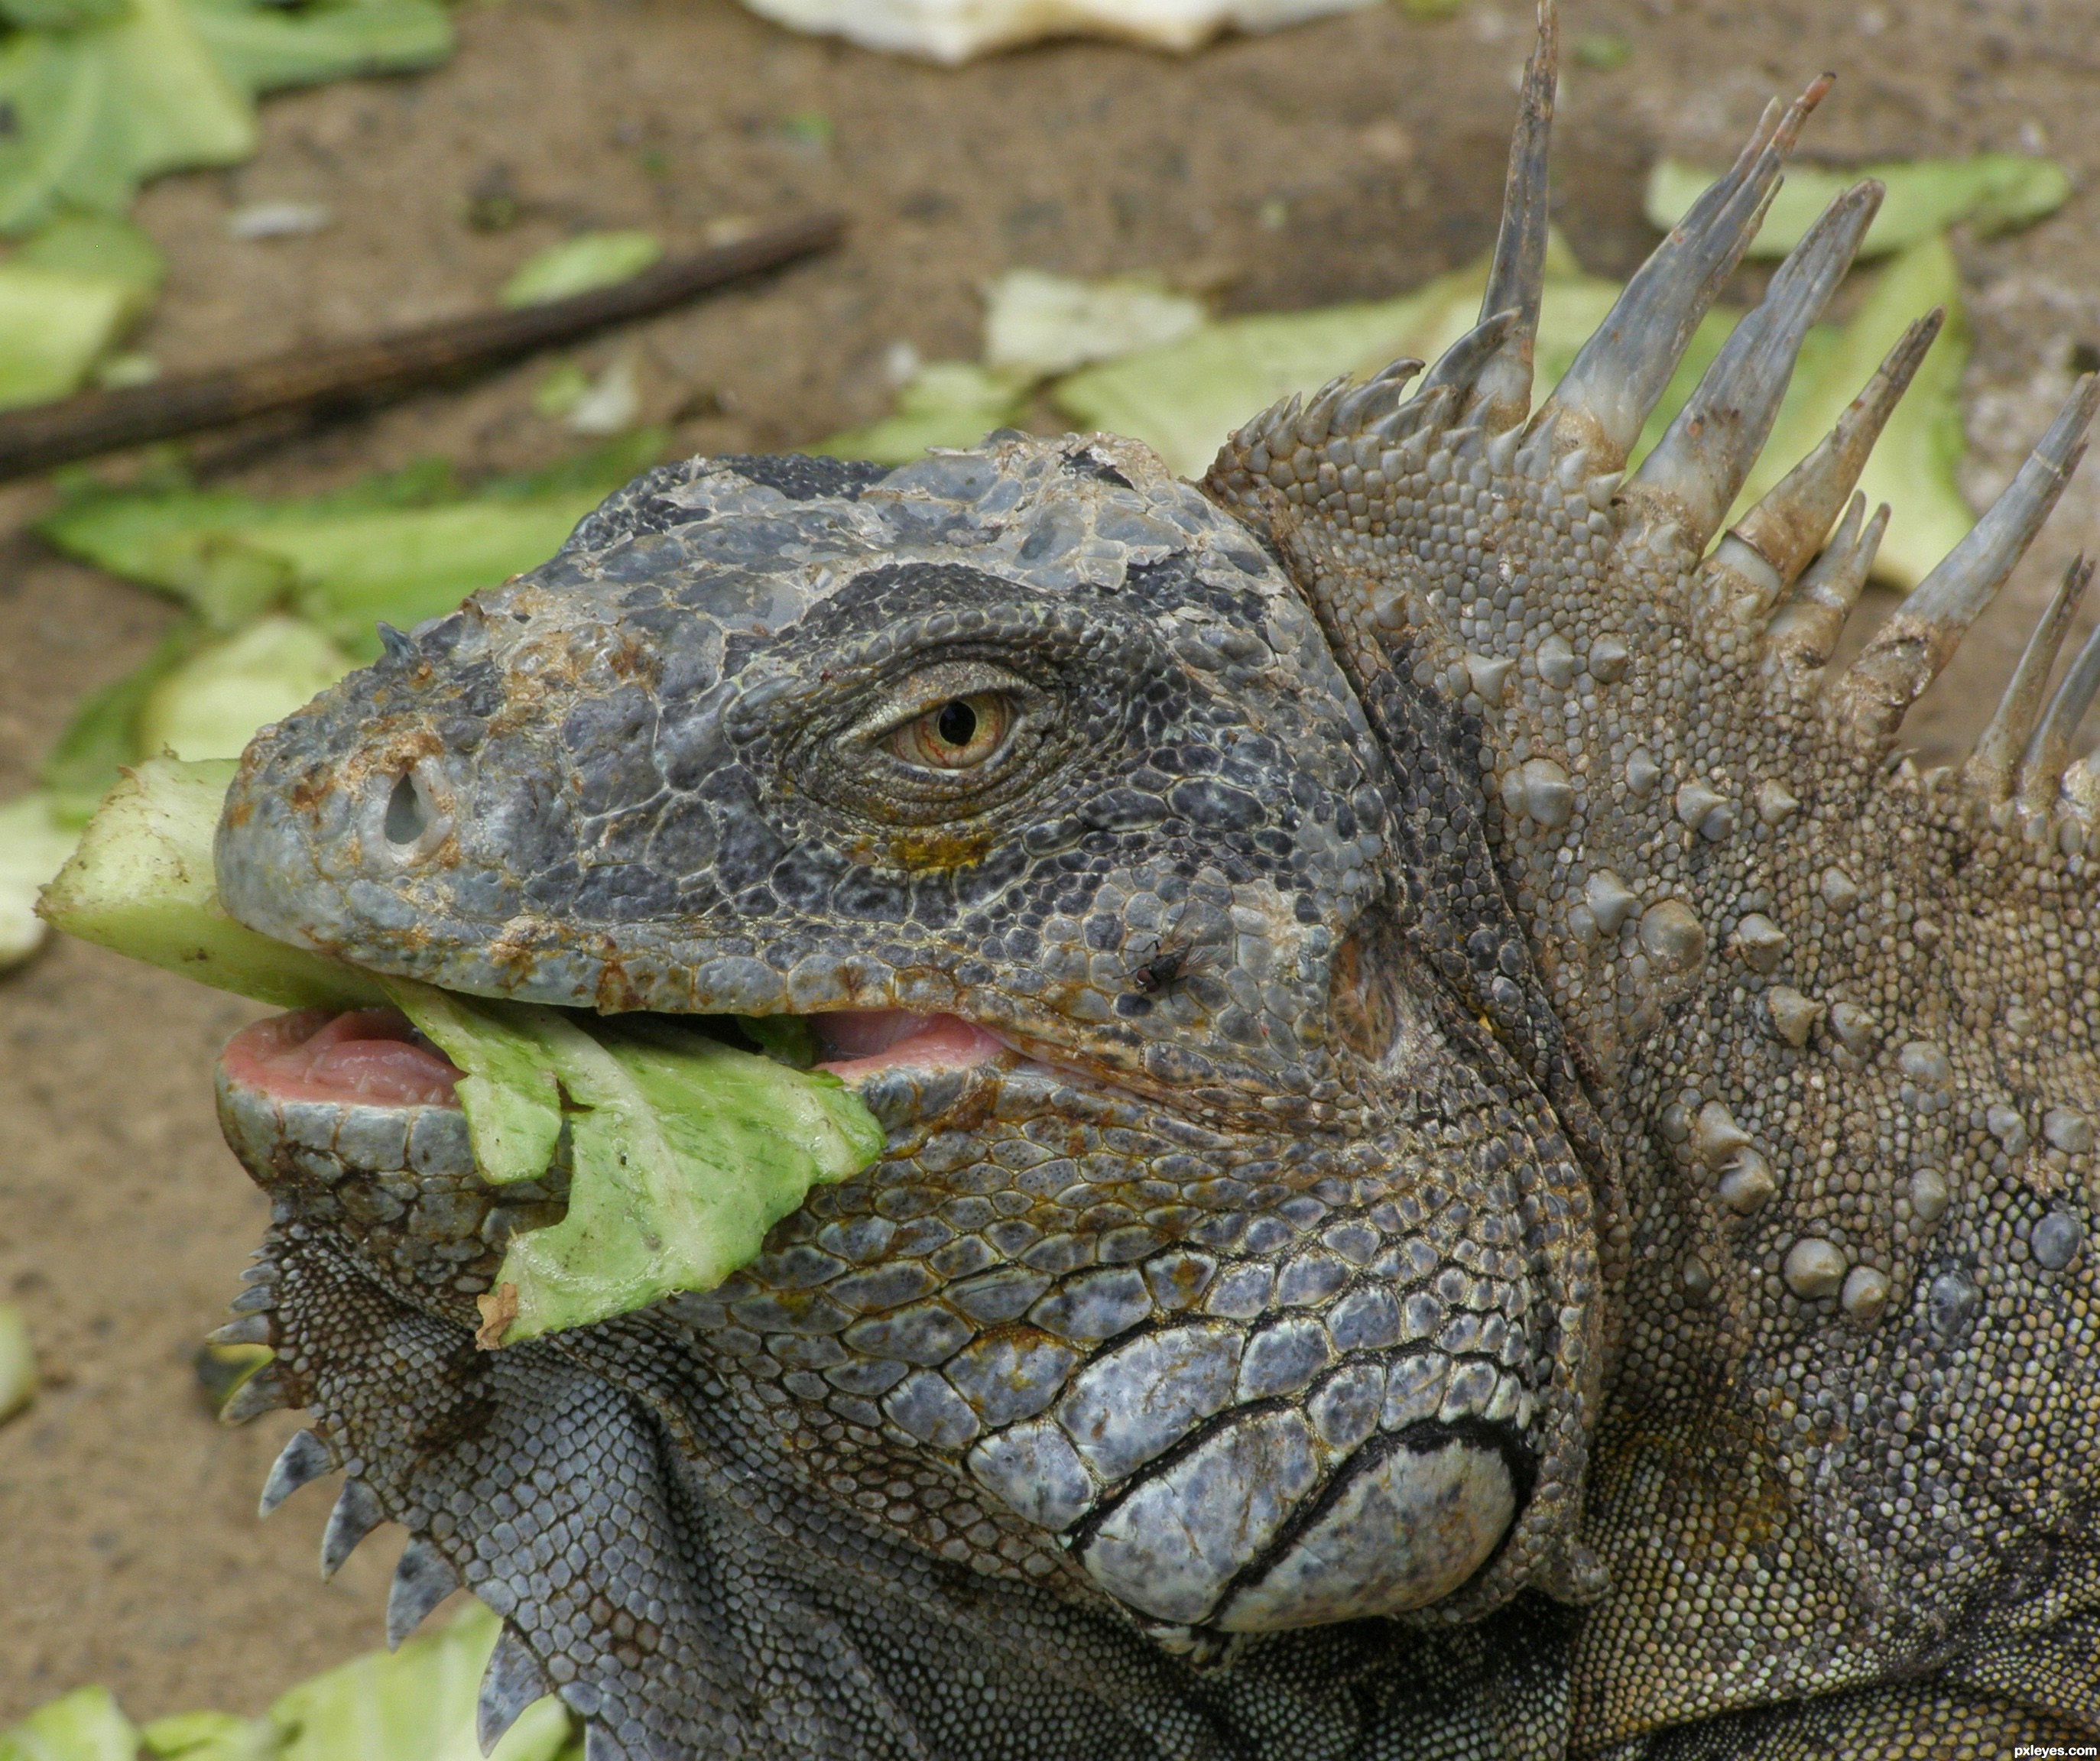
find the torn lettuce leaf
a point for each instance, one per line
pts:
(101, 108)
(576, 266)
(396, 549)
(1184, 398)
(683, 1150)
(1913, 465)
(1042, 324)
(952, 31)
(34, 842)
(85, 1725)
(946, 404)
(416, 1704)
(264, 45)
(143, 86)
(208, 1737)
(211, 705)
(103, 736)
(1993, 192)
(141, 882)
(67, 297)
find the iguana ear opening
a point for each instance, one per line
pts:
(1361, 1010)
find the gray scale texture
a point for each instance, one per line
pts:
(1536, 1198)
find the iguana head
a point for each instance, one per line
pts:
(1221, 1246)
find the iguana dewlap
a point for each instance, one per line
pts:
(1471, 1172)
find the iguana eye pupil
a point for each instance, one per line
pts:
(961, 734)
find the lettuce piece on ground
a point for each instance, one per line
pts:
(210, 1737)
(1042, 324)
(415, 1704)
(349, 571)
(34, 842)
(263, 45)
(141, 882)
(1913, 465)
(947, 403)
(54, 325)
(211, 705)
(85, 1725)
(100, 109)
(1182, 400)
(396, 549)
(683, 1152)
(103, 736)
(1993, 192)
(143, 86)
(576, 266)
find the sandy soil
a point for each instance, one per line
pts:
(129, 1552)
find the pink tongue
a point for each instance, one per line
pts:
(867, 1041)
(365, 1055)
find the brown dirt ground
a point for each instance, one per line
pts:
(129, 1552)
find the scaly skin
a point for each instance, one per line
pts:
(1533, 1196)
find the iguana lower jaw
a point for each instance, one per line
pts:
(1332, 1447)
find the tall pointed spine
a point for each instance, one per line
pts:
(1516, 278)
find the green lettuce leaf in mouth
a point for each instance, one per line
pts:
(683, 1150)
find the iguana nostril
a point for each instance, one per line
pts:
(418, 813)
(407, 817)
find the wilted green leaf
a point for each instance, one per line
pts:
(53, 327)
(105, 246)
(1993, 192)
(99, 110)
(34, 842)
(683, 1151)
(160, 84)
(1912, 467)
(141, 881)
(416, 1705)
(85, 1725)
(948, 404)
(1182, 400)
(396, 549)
(263, 45)
(575, 265)
(210, 1737)
(1040, 324)
(66, 296)
(104, 731)
(60, 15)
(211, 705)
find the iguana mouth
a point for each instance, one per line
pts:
(361, 1057)
(376, 1058)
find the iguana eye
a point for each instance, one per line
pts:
(960, 733)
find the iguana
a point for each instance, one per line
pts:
(1473, 1169)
